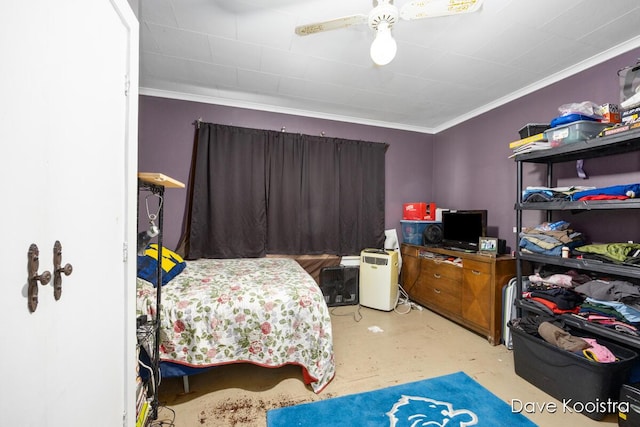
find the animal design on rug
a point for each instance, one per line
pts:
(415, 411)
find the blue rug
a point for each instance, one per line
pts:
(454, 400)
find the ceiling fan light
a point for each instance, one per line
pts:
(384, 47)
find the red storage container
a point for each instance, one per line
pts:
(419, 211)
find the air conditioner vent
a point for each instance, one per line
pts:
(375, 260)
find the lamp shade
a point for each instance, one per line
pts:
(384, 47)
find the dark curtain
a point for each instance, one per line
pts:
(361, 204)
(228, 210)
(258, 192)
(303, 191)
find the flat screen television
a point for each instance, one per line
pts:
(462, 229)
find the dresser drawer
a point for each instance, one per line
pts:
(443, 287)
(406, 250)
(437, 290)
(438, 269)
(440, 284)
(441, 298)
(481, 267)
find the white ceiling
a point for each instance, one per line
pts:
(245, 53)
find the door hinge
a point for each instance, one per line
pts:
(127, 85)
(125, 252)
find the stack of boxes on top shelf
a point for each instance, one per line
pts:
(415, 218)
(577, 122)
(630, 96)
(532, 138)
(585, 120)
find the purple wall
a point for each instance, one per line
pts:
(166, 134)
(473, 170)
(464, 167)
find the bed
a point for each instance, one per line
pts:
(265, 311)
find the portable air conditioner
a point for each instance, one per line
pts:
(379, 279)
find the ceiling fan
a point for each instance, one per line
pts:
(385, 15)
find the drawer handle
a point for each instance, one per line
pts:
(475, 272)
(436, 275)
(437, 291)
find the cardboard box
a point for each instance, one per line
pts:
(611, 113)
(419, 211)
(630, 116)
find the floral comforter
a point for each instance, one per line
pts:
(265, 311)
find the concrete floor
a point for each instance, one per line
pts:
(413, 346)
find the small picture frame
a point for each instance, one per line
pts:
(488, 246)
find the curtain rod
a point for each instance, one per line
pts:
(284, 129)
(199, 121)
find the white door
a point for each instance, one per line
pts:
(68, 130)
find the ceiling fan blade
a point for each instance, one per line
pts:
(334, 24)
(432, 8)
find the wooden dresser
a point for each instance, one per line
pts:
(468, 293)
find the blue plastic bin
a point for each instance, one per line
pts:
(412, 231)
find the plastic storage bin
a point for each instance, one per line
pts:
(412, 231)
(630, 395)
(591, 388)
(531, 129)
(574, 132)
